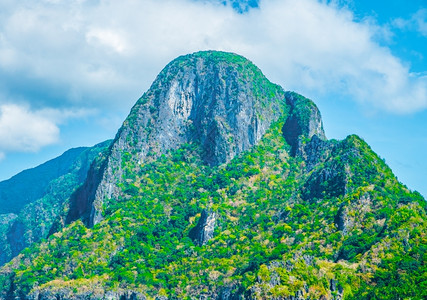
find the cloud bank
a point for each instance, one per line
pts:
(104, 54)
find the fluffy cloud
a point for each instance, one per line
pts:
(322, 50)
(26, 130)
(104, 54)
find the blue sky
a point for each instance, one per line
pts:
(71, 70)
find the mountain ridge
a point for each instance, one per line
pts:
(32, 199)
(51, 169)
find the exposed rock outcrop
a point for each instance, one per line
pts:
(274, 281)
(342, 220)
(81, 201)
(303, 131)
(329, 181)
(303, 123)
(315, 151)
(70, 294)
(15, 237)
(204, 230)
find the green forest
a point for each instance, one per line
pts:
(277, 231)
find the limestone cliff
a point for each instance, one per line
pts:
(303, 123)
(204, 229)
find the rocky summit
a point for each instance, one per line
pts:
(220, 185)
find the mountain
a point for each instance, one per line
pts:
(221, 102)
(33, 199)
(222, 185)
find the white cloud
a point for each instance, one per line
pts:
(105, 54)
(26, 130)
(421, 19)
(108, 38)
(417, 22)
(323, 50)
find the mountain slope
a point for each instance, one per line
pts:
(221, 208)
(32, 183)
(33, 199)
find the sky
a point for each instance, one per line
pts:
(70, 70)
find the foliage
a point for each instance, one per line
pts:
(268, 241)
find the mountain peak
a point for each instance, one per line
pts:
(220, 101)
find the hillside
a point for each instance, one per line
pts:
(221, 185)
(32, 200)
(32, 183)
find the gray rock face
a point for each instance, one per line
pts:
(66, 293)
(220, 101)
(335, 289)
(303, 131)
(15, 237)
(313, 152)
(303, 123)
(329, 181)
(80, 204)
(226, 294)
(342, 221)
(204, 229)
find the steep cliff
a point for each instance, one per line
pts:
(303, 123)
